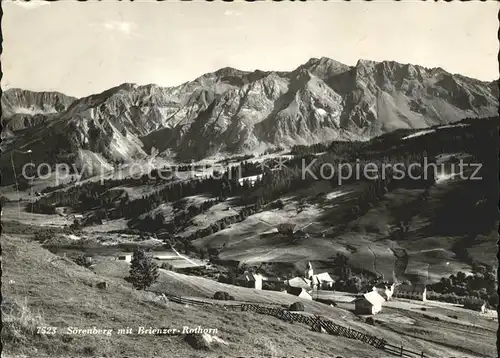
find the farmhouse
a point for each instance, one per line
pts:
(299, 292)
(370, 303)
(251, 280)
(414, 292)
(475, 305)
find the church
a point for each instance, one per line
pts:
(321, 281)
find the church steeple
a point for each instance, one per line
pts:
(309, 272)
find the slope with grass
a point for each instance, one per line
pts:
(40, 289)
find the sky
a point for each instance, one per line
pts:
(80, 48)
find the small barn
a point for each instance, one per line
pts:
(252, 280)
(299, 292)
(369, 304)
(475, 305)
(413, 292)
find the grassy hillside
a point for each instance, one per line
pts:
(41, 289)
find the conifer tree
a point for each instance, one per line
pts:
(143, 271)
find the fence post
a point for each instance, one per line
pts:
(401, 354)
(422, 355)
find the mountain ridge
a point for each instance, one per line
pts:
(235, 111)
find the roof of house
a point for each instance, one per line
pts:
(417, 289)
(322, 277)
(299, 282)
(373, 298)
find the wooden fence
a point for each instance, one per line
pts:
(402, 352)
(317, 323)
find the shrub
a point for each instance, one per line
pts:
(223, 296)
(143, 271)
(297, 306)
(84, 260)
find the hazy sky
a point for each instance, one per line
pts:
(81, 48)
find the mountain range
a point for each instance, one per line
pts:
(231, 111)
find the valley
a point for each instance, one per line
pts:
(261, 215)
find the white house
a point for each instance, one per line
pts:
(125, 257)
(413, 292)
(370, 303)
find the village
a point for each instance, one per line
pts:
(319, 287)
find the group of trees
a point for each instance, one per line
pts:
(349, 279)
(237, 158)
(482, 283)
(309, 149)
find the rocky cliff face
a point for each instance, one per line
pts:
(388, 95)
(23, 109)
(231, 111)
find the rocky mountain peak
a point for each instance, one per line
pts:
(234, 111)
